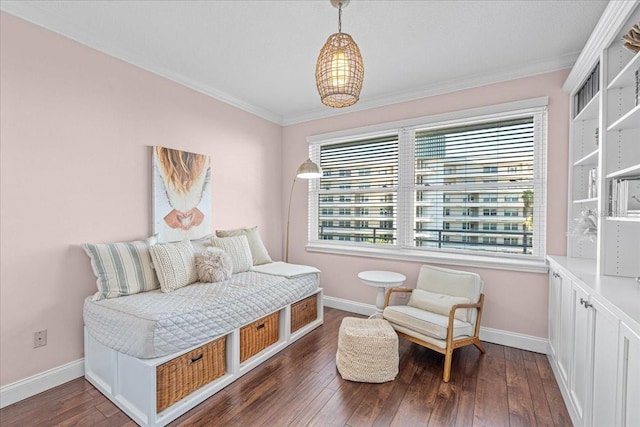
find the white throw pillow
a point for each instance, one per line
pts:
(238, 249)
(258, 251)
(175, 264)
(438, 303)
(122, 268)
(213, 265)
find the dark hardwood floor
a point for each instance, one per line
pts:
(300, 386)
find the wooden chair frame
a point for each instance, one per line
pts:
(451, 344)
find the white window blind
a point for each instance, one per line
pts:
(358, 193)
(473, 186)
(479, 179)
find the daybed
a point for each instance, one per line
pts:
(158, 354)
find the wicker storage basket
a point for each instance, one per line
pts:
(180, 376)
(367, 350)
(304, 312)
(258, 335)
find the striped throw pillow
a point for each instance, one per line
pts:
(122, 268)
(237, 248)
(175, 264)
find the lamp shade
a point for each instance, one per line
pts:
(309, 170)
(339, 71)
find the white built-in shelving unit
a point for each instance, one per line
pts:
(605, 135)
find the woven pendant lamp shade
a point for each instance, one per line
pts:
(339, 71)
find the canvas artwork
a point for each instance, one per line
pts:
(181, 194)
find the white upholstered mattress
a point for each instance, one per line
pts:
(154, 324)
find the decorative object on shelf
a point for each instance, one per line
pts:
(307, 170)
(632, 39)
(597, 132)
(625, 197)
(339, 70)
(585, 227)
(593, 183)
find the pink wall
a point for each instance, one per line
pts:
(515, 302)
(76, 126)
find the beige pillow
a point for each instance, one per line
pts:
(238, 249)
(175, 265)
(201, 244)
(258, 251)
(438, 303)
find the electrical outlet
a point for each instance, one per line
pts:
(39, 339)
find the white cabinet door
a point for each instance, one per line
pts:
(605, 366)
(565, 343)
(629, 378)
(580, 375)
(555, 284)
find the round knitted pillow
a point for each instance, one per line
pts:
(213, 265)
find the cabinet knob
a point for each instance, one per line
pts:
(586, 303)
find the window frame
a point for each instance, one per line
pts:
(405, 249)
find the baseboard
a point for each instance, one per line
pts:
(15, 392)
(348, 305)
(514, 339)
(495, 336)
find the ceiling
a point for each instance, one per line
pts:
(260, 55)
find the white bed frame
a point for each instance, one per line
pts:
(130, 382)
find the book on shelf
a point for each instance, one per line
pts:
(624, 197)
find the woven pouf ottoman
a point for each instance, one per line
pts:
(367, 350)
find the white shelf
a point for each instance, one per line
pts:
(589, 159)
(591, 200)
(624, 218)
(626, 77)
(631, 120)
(630, 171)
(591, 110)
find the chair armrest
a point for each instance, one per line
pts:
(478, 306)
(392, 290)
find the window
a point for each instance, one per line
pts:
(423, 181)
(348, 169)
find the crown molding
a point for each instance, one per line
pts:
(614, 16)
(31, 13)
(541, 67)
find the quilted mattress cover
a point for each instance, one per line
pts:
(154, 324)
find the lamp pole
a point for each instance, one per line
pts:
(307, 170)
(286, 250)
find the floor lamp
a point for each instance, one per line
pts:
(307, 170)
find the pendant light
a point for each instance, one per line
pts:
(339, 70)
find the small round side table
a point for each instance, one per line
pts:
(381, 280)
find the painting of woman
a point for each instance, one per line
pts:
(182, 194)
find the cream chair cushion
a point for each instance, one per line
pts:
(438, 303)
(424, 322)
(451, 282)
